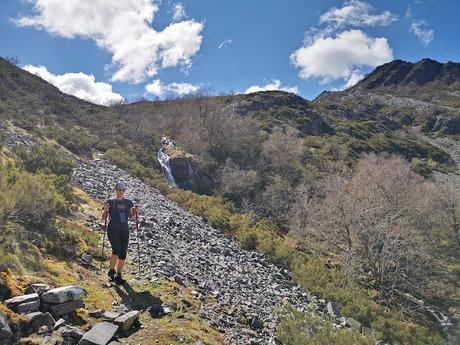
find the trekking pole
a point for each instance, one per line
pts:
(138, 242)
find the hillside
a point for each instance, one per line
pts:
(425, 93)
(234, 257)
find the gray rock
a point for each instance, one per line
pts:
(96, 313)
(256, 323)
(114, 343)
(72, 332)
(354, 324)
(12, 303)
(125, 321)
(332, 309)
(86, 257)
(99, 334)
(66, 308)
(40, 288)
(5, 330)
(110, 315)
(39, 319)
(28, 307)
(5, 291)
(59, 323)
(62, 294)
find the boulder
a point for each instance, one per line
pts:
(28, 307)
(125, 321)
(5, 330)
(71, 332)
(110, 315)
(24, 304)
(62, 294)
(15, 301)
(66, 308)
(5, 291)
(39, 319)
(38, 288)
(99, 334)
(354, 324)
(332, 309)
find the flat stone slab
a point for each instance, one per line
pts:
(100, 334)
(39, 319)
(62, 294)
(67, 307)
(12, 303)
(28, 307)
(110, 315)
(73, 332)
(125, 321)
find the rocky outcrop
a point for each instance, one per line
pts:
(177, 165)
(58, 304)
(238, 290)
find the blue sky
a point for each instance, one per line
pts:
(102, 50)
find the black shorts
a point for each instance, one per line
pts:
(119, 240)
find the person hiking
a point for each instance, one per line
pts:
(119, 209)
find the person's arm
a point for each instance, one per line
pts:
(133, 211)
(105, 211)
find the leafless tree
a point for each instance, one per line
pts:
(235, 182)
(284, 152)
(374, 221)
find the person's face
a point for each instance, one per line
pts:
(120, 192)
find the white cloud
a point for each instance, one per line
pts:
(158, 89)
(225, 43)
(274, 85)
(80, 85)
(425, 35)
(124, 28)
(337, 57)
(178, 12)
(356, 13)
(355, 77)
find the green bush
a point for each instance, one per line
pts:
(48, 158)
(28, 198)
(77, 141)
(298, 328)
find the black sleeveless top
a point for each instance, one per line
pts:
(118, 213)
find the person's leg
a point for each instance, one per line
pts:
(124, 241)
(113, 261)
(114, 239)
(120, 265)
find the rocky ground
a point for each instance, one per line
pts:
(239, 290)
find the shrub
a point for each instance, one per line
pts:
(297, 328)
(45, 157)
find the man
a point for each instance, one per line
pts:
(119, 209)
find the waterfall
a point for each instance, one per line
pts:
(442, 320)
(191, 175)
(163, 158)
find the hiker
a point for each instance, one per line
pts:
(119, 209)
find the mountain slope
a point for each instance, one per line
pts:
(426, 93)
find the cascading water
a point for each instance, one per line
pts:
(191, 175)
(163, 158)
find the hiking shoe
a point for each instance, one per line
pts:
(119, 280)
(111, 274)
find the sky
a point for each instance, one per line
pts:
(111, 51)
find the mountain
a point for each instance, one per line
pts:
(426, 93)
(216, 264)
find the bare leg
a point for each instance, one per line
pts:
(113, 261)
(120, 265)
